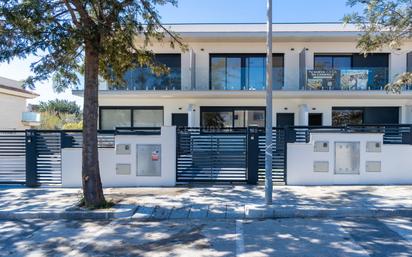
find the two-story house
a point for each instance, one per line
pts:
(319, 78)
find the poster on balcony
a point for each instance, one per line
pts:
(321, 79)
(354, 79)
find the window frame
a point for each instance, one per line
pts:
(131, 109)
(230, 109)
(156, 55)
(243, 66)
(332, 56)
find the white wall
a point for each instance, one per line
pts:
(396, 164)
(71, 162)
(11, 109)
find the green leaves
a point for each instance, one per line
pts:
(56, 31)
(384, 23)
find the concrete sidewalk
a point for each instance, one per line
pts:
(212, 202)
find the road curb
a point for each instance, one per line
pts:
(147, 213)
(119, 211)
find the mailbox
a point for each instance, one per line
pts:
(123, 149)
(148, 160)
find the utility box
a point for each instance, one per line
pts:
(122, 169)
(321, 166)
(148, 160)
(373, 166)
(123, 149)
(373, 147)
(321, 146)
(347, 157)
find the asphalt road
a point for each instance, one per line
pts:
(281, 237)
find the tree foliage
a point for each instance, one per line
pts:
(58, 107)
(55, 31)
(59, 114)
(385, 23)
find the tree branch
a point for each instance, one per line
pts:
(72, 14)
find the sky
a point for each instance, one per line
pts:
(207, 11)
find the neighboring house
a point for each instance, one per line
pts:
(13, 110)
(319, 78)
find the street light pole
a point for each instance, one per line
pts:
(268, 130)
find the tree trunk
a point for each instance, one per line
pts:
(92, 185)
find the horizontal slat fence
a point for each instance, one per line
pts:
(12, 157)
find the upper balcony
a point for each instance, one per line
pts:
(349, 79)
(254, 79)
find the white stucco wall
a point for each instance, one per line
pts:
(11, 109)
(71, 162)
(290, 105)
(396, 164)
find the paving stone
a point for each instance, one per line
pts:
(143, 212)
(198, 211)
(235, 212)
(180, 213)
(216, 212)
(259, 211)
(161, 213)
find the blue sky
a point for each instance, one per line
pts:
(210, 11)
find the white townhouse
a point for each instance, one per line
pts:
(319, 78)
(14, 114)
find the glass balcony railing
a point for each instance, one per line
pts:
(252, 79)
(144, 79)
(347, 79)
(31, 118)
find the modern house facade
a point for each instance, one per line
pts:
(14, 114)
(319, 78)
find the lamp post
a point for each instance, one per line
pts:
(268, 129)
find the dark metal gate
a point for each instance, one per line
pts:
(49, 158)
(228, 155)
(278, 156)
(211, 156)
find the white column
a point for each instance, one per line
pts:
(303, 115)
(406, 114)
(191, 115)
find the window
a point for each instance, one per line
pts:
(349, 116)
(142, 78)
(115, 117)
(112, 118)
(232, 117)
(342, 116)
(243, 71)
(147, 118)
(329, 62)
(315, 119)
